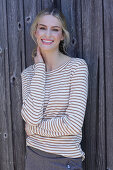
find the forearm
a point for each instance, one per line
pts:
(32, 108)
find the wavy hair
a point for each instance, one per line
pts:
(59, 15)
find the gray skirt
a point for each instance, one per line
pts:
(36, 159)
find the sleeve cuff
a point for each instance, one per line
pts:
(39, 66)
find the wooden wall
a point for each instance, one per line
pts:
(90, 23)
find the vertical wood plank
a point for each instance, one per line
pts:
(47, 3)
(78, 28)
(16, 56)
(31, 8)
(68, 9)
(6, 144)
(57, 4)
(92, 32)
(88, 22)
(108, 45)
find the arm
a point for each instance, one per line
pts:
(72, 122)
(32, 108)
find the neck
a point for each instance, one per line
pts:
(51, 59)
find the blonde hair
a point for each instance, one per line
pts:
(59, 15)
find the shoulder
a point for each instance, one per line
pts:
(27, 71)
(79, 63)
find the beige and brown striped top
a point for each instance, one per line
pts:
(54, 105)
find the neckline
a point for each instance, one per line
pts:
(58, 68)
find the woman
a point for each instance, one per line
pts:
(54, 91)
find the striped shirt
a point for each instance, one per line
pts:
(54, 105)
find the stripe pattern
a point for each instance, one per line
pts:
(54, 105)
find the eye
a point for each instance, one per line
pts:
(42, 28)
(55, 30)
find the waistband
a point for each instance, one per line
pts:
(47, 154)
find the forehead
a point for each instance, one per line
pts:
(49, 20)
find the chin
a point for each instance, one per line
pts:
(48, 48)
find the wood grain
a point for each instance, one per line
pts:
(6, 143)
(90, 24)
(108, 52)
(93, 52)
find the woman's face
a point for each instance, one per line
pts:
(49, 32)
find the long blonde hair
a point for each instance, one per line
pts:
(59, 15)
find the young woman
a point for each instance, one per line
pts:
(54, 91)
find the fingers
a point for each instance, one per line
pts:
(38, 57)
(38, 51)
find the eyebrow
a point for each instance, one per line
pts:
(52, 26)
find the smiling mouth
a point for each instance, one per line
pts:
(47, 42)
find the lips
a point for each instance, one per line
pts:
(47, 41)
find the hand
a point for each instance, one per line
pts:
(38, 57)
(28, 129)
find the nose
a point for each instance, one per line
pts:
(48, 33)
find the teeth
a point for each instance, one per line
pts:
(46, 41)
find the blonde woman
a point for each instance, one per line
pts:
(54, 91)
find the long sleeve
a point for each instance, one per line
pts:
(32, 107)
(72, 122)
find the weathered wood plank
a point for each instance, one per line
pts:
(57, 4)
(68, 9)
(47, 3)
(92, 32)
(78, 28)
(31, 8)
(90, 24)
(108, 49)
(6, 146)
(16, 56)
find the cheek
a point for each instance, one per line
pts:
(39, 33)
(58, 35)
